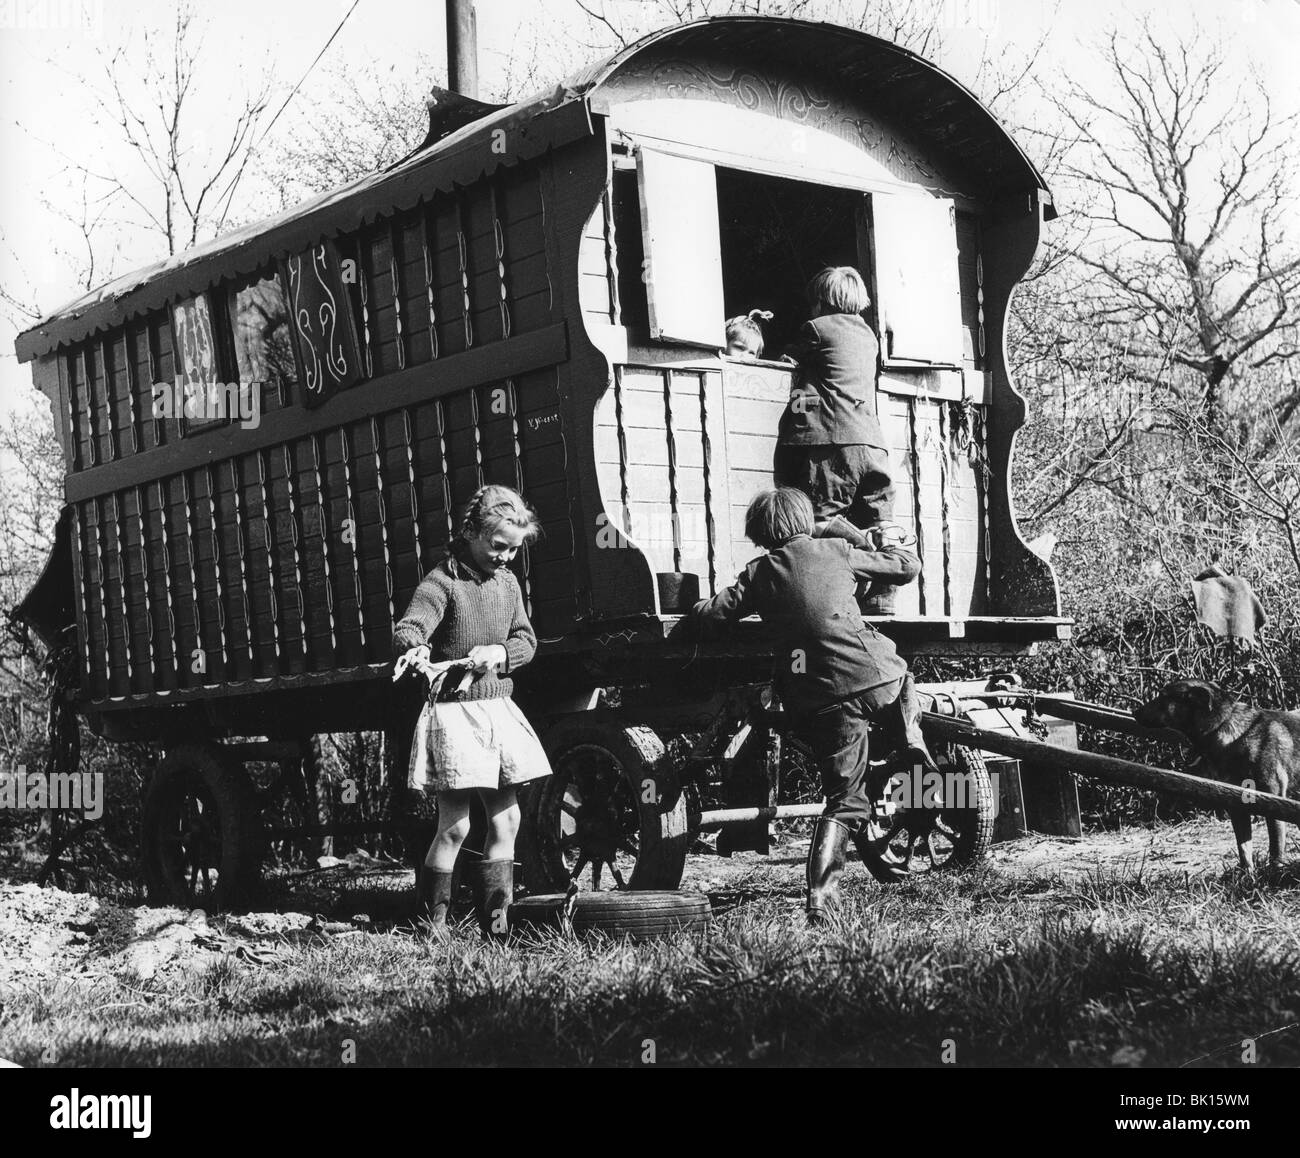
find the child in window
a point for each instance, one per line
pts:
(834, 672)
(830, 444)
(745, 335)
(471, 737)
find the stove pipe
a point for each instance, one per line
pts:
(462, 48)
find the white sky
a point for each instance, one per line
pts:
(49, 78)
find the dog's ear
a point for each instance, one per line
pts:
(1204, 696)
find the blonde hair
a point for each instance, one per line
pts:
(744, 332)
(775, 516)
(838, 289)
(495, 506)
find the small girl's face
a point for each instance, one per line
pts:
(489, 551)
(740, 348)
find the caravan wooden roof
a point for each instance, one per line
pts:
(902, 85)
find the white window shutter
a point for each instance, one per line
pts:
(916, 278)
(683, 271)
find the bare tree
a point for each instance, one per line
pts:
(191, 168)
(1189, 179)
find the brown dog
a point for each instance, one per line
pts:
(1236, 743)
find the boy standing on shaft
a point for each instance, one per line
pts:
(835, 673)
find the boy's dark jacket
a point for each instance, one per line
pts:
(804, 591)
(837, 356)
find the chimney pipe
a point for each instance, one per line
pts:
(462, 48)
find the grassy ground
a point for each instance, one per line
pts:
(1120, 965)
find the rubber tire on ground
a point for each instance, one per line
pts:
(639, 916)
(975, 829)
(238, 823)
(664, 833)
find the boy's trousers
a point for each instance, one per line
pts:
(853, 481)
(838, 737)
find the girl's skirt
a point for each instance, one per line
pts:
(474, 744)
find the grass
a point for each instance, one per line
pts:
(1120, 967)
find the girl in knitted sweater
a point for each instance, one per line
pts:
(470, 736)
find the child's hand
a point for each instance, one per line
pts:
(417, 657)
(485, 658)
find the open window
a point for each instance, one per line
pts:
(698, 243)
(776, 235)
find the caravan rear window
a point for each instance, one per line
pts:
(776, 234)
(698, 243)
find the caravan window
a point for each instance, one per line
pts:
(770, 236)
(776, 235)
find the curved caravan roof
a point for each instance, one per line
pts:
(902, 86)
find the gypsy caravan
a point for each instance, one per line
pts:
(536, 297)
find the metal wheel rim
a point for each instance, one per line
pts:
(913, 841)
(598, 818)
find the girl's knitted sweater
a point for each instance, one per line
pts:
(457, 607)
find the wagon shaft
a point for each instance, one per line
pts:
(1112, 769)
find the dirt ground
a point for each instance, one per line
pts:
(47, 934)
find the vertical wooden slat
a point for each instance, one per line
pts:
(499, 240)
(440, 416)
(383, 519)
(121, 584)
(356, 533)
(413, 484)
(92, 426)
(462, 250)
(945, 508)
(142, 530)
(270, 555)
(710, 530)
(243, 561)
(626, 515)
(191, 535)
(167, 579)
(526, 564)
(101, 595)
(104, 349)
(324, 544)
(673, 519)
(611, 256)
(475, 422)
(396, 274)
(74, 434)
(914, 457)
(83, 566)
(364, 284)
(294, 536)
(132, 388)
(429, 282)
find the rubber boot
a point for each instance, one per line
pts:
(433, 901)
(493, 885)
(825, 865)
